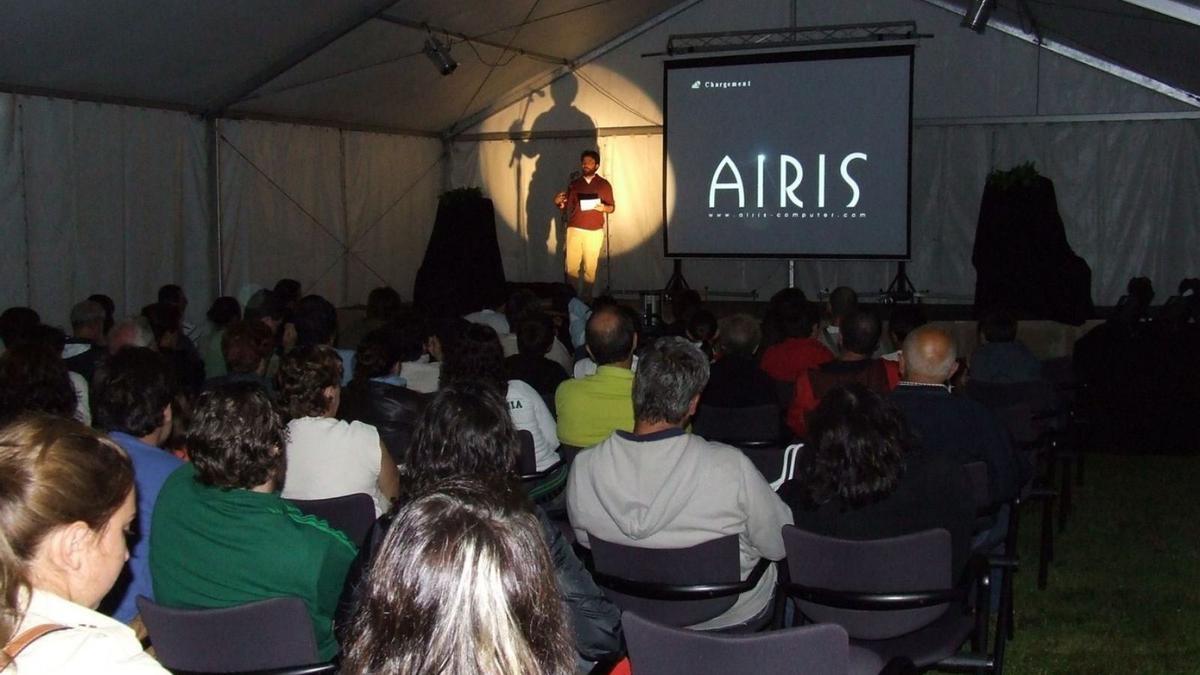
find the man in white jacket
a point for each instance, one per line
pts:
(661, 487)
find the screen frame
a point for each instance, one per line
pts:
(839, 53)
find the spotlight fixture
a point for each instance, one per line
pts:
(977, 15)
(439, 54)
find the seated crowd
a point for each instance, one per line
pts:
(201, 446)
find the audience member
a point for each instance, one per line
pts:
(591, 408)
(772, 323)
(85, 347)
(955, 427)
(859, 336)
(246, 347)
(169, 340)
(421, 340)
(223, 536)
(133, 392)
(658, 486)
(684, 304)
(132, 332)
(798, 351)
(377, 395)
(288, 292)
(466, 571)
(34, 379)
(110, 309)
(66, 504)
(735, 379)
(224, 311)
(702, 331)
(328, 457)
(843, 301)
(862, 476)
(479, 358)
(492, 311)
(384, 306)
(586, 366)
(535, 336)
(1001, 358)
(904, 320)
(465, 431)
(315, 323)
(15, 322)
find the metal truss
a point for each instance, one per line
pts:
(796, 36)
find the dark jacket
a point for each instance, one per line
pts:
(737, 382)
(392, 410)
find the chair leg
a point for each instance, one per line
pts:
(1006, 579)
(1047, 547)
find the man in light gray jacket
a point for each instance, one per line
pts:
(661, 487)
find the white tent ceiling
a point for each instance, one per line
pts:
(358, 63)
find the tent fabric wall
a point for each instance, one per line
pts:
(101, 199)
(341, 211)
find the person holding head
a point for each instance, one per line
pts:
(328, 457)
(863, 476)
(592, 407)
(466, 431)
(1001, 358)
(66, 506)
(480, 358)
(955, 427)
(735, 380)
(585, 202)
(222, 535)
(859, 336)
(842, 302)
(461, 584)
(659, 486)
(132, 396)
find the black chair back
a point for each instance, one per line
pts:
(655, 649)
(527, 460)
(267, 634)
(713, 562)
(352, 514)
(977, 476)
(760, 423)
(919, 562)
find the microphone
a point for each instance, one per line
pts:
(575, 175)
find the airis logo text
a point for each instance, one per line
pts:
(792, 180)
(721, 84)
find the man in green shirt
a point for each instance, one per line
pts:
(591, 408)
(222, 535)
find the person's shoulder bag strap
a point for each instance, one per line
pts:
(27, 637)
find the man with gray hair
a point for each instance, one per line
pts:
(736, 380)
(956, 427)
(661, 487)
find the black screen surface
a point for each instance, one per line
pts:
(798, 155)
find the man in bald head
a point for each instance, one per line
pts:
(591, 408)
(954, 426)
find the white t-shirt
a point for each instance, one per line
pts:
(421, 375)
(94, 643)
(327, 457)
(558, 353)
(529, 413)
(490, 317)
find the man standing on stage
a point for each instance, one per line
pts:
(585, 202)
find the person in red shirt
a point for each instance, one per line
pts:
(859, 334)
(799, 351)
(586, 201)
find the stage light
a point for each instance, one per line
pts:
(439, 54)
(977, 15)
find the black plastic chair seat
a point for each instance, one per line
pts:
(926, 646)
(352, 514)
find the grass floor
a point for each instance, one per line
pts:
(1124, 590)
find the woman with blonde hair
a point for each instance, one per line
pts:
(66, 505)
(463, 583)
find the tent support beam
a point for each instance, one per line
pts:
(417, 25)
(544, 80)
(1080, 56)
(298, 56)
(212, 137)
(19, 90)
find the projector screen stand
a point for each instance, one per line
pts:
(676, 283)
(901, 289)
